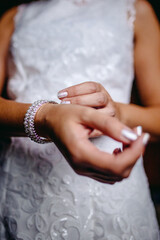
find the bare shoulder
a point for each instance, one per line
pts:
(143, 8)
(145, 17)
(7, 21)
(8, 17)
(6, 29)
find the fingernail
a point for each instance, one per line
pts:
(116, 151)
(146, 139)
(62, 94)
(65, 102)
(139, 131)
(129, 134)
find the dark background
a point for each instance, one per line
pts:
(156, 6)
(152, 154)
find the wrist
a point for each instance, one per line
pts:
(30, 122)
(126, 114)
(42, 118)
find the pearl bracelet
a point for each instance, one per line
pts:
(29, 125)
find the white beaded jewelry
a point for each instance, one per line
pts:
(29, 122)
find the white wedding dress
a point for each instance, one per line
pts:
(56, 44)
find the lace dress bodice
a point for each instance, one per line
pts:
(56, 44)
(76, 43)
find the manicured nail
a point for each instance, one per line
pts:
(129, 134)
(62, 94)
(116, 151)
(65, 102)
(146, 138)
(139, 131)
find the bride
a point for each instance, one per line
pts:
(83, 50)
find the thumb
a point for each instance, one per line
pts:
(129, 156)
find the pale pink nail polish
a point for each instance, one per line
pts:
(129, 134)
(62, 94)
(146, 139)
(65, 102)
(139, 131)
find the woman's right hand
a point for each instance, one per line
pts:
(69, 126)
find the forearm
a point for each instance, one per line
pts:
(12, 117)
(11, 113)
(148, 117)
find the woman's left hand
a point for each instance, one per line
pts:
(91, 94)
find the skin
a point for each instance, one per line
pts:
(71, 134)
(147, 72)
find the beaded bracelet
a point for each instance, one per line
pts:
(29, 125)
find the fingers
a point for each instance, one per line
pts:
(99, 176)
(84, 157)
(109, 126)
(125, 160)
(138, 131)
(106, 179)
(98, 99)
(102, 164)
(95, 133)
(117, 151)
(80, 89)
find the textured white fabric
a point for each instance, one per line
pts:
(56, 44)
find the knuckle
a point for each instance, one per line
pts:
(126, 174)
(73, 91)
(102, 99)
(118, 173)
(122, 173)
(76, 100)
(99, 86)
(94, 87)
(118, 170)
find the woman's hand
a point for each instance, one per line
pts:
(91, 94)
(69, 126)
